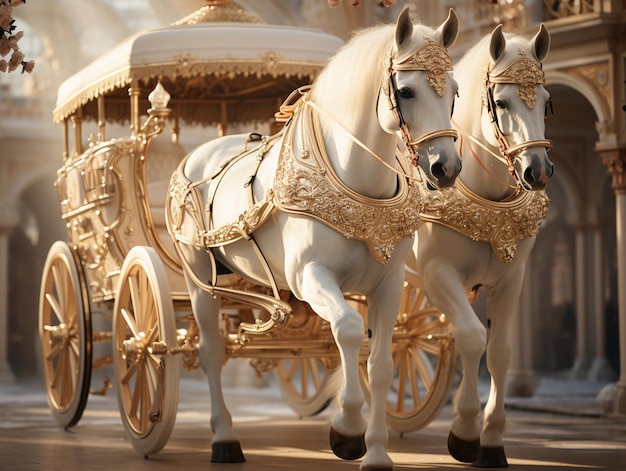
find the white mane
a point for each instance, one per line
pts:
(349, 83)
(469, 73)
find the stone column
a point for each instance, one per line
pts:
(580, 368)
(615, 160)
(600, 369)
(6, 375)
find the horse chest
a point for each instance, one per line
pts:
(502, 224)
(304, 185)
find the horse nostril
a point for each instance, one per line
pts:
(529, 176)
(438, 171)
(550, 170)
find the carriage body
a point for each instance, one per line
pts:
(112, 190)
(112, 195)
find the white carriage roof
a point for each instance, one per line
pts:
(219, 62)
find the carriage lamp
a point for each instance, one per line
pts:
(159, 98)
(157, 113)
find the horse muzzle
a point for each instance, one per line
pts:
(533, 169)
(440, 167)
(438, 159)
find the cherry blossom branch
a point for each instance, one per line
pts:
(8, 40)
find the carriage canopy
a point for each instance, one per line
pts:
(220, 66)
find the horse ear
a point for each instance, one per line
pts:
(404, 28)
(449, 29)
(498, 44)
(541, 43)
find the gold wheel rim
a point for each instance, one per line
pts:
(60, 333)
(137, 367)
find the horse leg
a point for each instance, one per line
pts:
(500, 307)
(381, 317)
(448, 294)
(225, 447)
(319, 288)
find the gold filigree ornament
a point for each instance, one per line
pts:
(431, 57)
(524, 72)
(308, 185)
(502, 224)
(187, 202)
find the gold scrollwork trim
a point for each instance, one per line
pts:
(304, 188)
(524, 72)
(615, 162)
(502, 224)
(597, 75)
(250, 220)
(185, 66)
(434, 59)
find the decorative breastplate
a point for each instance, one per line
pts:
(502, 224)
(303, 186)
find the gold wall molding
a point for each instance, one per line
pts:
(598, 76)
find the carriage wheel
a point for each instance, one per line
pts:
(65, 334)
(305, 384)
(424, 364)
(144, 325)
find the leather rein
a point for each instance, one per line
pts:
(527, 74)
(433, 59)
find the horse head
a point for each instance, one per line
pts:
(417, 95)
(515, 106)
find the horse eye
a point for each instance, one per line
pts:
(405, 92)
(501, 104)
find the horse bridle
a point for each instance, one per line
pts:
(434, 59)
(527, 74)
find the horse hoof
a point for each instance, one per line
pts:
(491, 457)
(347, 448)
(465, 451)
(227, 452)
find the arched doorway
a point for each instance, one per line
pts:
(564, 261)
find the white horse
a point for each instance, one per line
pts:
(329, 209)
(481, 231)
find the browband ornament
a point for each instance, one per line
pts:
(524, 72)
(431, 57)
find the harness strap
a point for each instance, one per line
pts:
(520, 78)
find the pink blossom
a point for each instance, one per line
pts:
(14, 39)
(28, 66)
(4, 46)
(5, 16)
(16, 60)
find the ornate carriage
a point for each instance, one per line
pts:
(217, 67)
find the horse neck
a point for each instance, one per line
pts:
(354, 154)
(483, 173)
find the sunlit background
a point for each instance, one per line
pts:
(568, 322)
